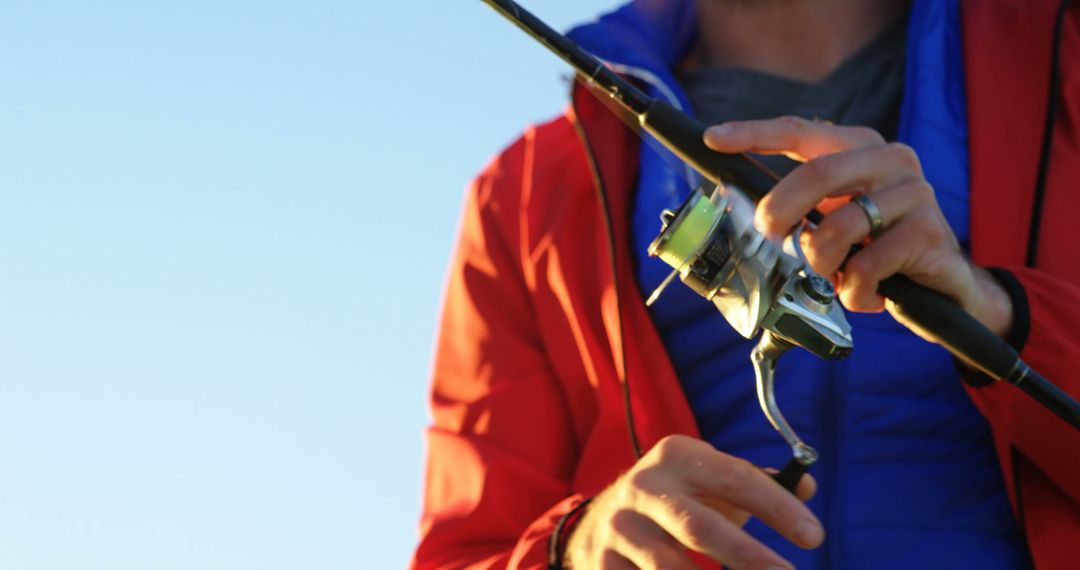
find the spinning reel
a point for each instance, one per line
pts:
(714, 248)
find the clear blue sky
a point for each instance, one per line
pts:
(223, 233)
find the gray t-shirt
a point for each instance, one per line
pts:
(865, 90)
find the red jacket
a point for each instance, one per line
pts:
(543, 325)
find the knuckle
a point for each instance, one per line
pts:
(837, 230)
(638, 481)
(735, 126)
(735, 475)
(860, 266)
(905, 155)
(826, 233)
(922, 189)
(700, 530)
(819, 170)
(793, 122)
(934, 231)
(868, 135)
(672, 448)
(681, 514)
(928, 226)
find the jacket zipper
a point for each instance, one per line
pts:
(609, 229)
(605, 214)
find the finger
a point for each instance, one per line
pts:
(833, 175)
(748, 488)
(646, 545)
(795, 137)
(704, 530)
(920, 246)
(807, 488)
(827, 246)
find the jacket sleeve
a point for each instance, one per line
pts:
(500, 450)
(1046, 313)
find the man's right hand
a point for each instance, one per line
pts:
(684, 494)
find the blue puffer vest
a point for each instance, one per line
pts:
(907, 475)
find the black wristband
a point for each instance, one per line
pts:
(557, 542)
(1019, 330)
(1018, 333)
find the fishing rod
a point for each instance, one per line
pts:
(689, 242)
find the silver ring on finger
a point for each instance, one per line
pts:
(873, 214)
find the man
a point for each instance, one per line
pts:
(574, 426)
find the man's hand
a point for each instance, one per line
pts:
(684, 494)
(839, 162)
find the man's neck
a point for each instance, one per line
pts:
(798, 39)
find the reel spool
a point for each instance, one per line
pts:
(713, 247)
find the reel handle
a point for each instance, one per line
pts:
(789, 476)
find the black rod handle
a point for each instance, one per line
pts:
(952, 326)
(969, 340)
